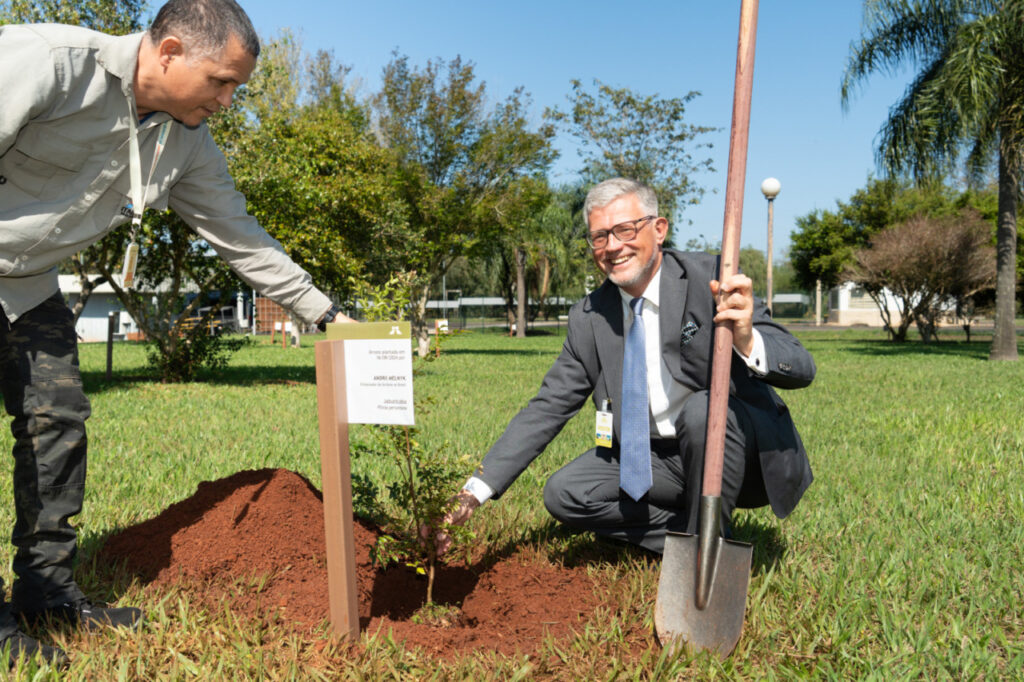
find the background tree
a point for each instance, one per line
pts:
(563, 256)
(753, 264)
(175, 273)
(457, 165)
(521, 235)
(117, 17)
(929, 265)
(644, 137)
(965, 101)
(300, 148)
(824, 241)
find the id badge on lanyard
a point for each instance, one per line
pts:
(131, 256)
(603, 427)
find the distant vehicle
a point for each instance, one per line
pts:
(223, 321)
(225, 317)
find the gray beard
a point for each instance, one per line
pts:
(642, 275)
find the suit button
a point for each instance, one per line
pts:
(3, 180)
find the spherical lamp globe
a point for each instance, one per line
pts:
(770, 188)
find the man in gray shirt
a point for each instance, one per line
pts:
(94, 128)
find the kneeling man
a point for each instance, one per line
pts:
(641, 346)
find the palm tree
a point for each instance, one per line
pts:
(966, 102)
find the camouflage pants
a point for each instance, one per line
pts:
(42, 391)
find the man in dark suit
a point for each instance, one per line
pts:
(675, 294)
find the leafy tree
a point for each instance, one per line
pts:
(643, 137)
(458, 166)
(174, 266)
(322, 188)
(554, 257)
(572, 255)
(526, 236)
(753, 264)
(824, 242)
(300, 149)
(118, 17)
(785, 277)
(926, 264)
(964, 102)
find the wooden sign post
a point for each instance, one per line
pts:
(372, 385)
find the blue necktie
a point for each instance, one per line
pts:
(635, 448)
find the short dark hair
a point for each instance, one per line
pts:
(205, 26)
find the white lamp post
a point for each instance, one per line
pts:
(770, 189)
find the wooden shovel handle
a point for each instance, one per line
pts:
(721, 361)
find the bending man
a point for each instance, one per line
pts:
(81, 118)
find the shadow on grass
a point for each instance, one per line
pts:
(498, 351)
(243, 375)
(768, 543)
(573, 547)
(550, 330)
(976, 350)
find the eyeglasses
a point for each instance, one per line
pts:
(624, 232)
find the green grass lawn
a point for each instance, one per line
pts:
(904, 559)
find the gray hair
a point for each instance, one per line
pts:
(205, 26)
(604, 193)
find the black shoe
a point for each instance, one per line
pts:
(20, 645)
(86, 615)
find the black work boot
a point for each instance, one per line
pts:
(21, 646)
(86, 615)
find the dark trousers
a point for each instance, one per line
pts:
(585, 493)
(42, 391)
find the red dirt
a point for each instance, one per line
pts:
(256, 540)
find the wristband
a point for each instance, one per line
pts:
(328, 317)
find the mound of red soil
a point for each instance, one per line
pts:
(256, 541)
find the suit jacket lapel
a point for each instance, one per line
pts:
(609, 338)
(673, 305)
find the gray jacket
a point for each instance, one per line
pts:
(64, 180)
(590, 364)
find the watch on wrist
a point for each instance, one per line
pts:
(328, 317)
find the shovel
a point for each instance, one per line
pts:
(702, 589)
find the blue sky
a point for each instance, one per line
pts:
(799, 132)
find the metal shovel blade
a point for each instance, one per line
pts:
(678, 621)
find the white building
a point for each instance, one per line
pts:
(93, 322)
(850, 304)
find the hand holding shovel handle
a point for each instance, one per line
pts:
(703, 585)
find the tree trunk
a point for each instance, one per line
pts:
(419, 321)
(1004, 338)
(520, 292)
(85, 285)
(542, 287)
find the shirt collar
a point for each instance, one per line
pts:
(119, 56)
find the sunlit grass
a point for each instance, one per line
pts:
(902, 561)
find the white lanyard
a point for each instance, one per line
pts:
(139, 196)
